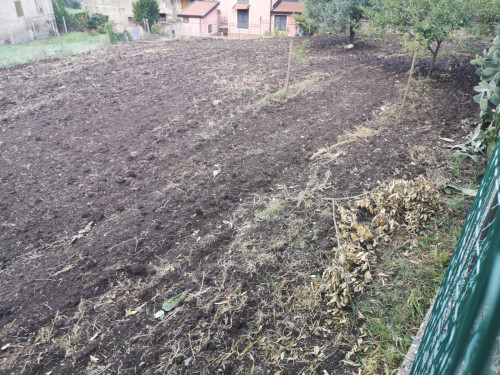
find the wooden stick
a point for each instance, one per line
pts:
(289, 64)
(409, 77)
(64, 23)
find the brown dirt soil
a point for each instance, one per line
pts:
(124, 142)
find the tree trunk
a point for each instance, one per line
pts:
(434, 56)
(352, 34)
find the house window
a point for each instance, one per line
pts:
(280, 23)
(19, 8)
(163, 17)
(243, 17)
(186, 20)
(210, 29)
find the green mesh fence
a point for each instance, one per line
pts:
(461, 336)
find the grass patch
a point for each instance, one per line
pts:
(73, 43)
(274, 209)
(408, 279)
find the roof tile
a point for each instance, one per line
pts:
(198, 9)
(288, 7)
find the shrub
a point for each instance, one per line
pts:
(95, 22)
(304, 24)
(157, 28)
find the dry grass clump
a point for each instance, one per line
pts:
(401, 203)
(395, 204)
(350, 269)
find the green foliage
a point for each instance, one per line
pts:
(428, 22)
(304, 24)
(489, 89)
(335, 14)
(114, 37)
(95, 21)
(74, 21)
(486, 14)
(60, 12)
(157, 29)
(146, 9)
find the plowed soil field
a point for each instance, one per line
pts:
(143, 171)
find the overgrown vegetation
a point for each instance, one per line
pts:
(425, 22)
(335, 14)
(146, 10)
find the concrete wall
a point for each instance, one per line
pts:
(120, 11)
(36, 22)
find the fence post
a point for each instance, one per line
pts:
(64, 23)
(289, 64)
(409, 77)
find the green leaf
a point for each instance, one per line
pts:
(465, 191)
(173, 302)
(483, 104)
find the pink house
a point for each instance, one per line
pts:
(240, 18)
(200, 18)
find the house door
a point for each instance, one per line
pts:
(242, 19)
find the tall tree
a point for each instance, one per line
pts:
(336, 14)
(146, 9)
(428, 22)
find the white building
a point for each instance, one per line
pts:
(25, 20)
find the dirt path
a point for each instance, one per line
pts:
(125, 143)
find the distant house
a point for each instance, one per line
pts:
(120, 12)
(282, 15)
(242, 18)
(25, 20)
(200, 18)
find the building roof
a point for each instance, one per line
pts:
(198, 9)
(284, 6)
(241, 6)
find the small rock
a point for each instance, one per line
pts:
(131, 174)
(349, 46)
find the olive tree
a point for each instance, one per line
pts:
(336, 14)
(428, 22)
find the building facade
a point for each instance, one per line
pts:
(120, 11)
(25, 20)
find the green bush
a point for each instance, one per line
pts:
(114, 38)
(304, 24)
(146, 9)
(95, 22)
(157, 28)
